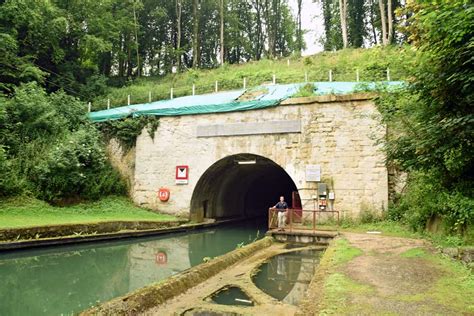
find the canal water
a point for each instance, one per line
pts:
(68, 279)
(287, 276)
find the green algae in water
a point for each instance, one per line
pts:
(232, 296)
(286, 277)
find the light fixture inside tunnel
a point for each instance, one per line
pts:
(246, 162)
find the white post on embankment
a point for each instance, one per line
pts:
(149, 96)
(388, 74)
(217, 86)
(274, 79)
(288, 62)
(245, 83)
(128, 99)
(171, 93)
(357, 74)
(305, 76)
(330, 75)
(89, 107)
(108, 104)
(194, 89)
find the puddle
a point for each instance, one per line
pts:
(232, 296)
(286, 277)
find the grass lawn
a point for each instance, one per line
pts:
(27, 212)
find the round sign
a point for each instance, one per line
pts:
(163, 194)
(161, 258)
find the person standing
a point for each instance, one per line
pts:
(282, 208)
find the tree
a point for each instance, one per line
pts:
(343, 14)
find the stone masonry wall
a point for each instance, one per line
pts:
(337, 132)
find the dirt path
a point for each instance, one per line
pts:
(367, 274)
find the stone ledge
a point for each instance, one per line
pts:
(155, 294)
(329, 98)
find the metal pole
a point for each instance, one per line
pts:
(108, 104)
(171, 93)
(128, 99)
(194, 89)
(330, 75)
(288, 62)
(216, 86)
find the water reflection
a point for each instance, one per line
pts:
(65, 280)
(286, 277)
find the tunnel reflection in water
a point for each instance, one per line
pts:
(243, 185)
(286, 277)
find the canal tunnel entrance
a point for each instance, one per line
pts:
(243, 185)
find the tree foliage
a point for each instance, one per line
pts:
(433, 120)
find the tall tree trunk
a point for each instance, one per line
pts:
(222, 31)
(178, 35)
(136, 38)
(383, 22)
(372, 21)
(299, 33)
(390, 22)
(196, 33)
(343, 12)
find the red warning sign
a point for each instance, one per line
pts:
(164, 194)
(161, 258)
(182, 174)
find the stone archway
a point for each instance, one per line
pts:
(241, 185)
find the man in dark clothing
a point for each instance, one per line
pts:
(282, 208)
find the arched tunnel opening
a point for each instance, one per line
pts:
(243, 185)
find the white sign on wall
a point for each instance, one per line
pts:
(313, 173)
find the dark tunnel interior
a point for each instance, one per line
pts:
(243, 185)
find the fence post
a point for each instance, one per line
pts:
(330, 75)
(149, 96)
(216, 86)
(128, 99)
(357, 74)
(194, 89)
(108, 104)
(245, 83)
(288, 62)
(89, 107)
(171, 93)
(305, 76)
(274, 79)
(388, 74)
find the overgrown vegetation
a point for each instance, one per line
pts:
(431, 122)
(371, 64)
(50, 150)
(25, 212)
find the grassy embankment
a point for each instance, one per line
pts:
(355, 280)
(370, 63)
(27, 212)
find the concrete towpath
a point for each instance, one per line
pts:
(364, 274)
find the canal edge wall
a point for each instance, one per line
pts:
(153, 295)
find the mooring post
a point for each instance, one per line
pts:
(274, 79)
(330, 75)
(388, 74)
(89, 107)
(357, 74)
(171, 93)
(194, 89)
(149, 96)
(108, 104)
(128, 99)
(216, 86)
(245, 83)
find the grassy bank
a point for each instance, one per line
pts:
(27, 212)
(371, 64)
